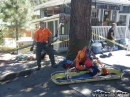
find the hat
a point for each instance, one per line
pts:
(41, 22)
(88, 63)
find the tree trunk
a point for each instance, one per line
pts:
(80, 27)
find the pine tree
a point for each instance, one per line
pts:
(16, 14)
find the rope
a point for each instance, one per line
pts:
(75, 49)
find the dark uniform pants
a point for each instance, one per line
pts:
(49, 51)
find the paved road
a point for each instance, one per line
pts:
(39, 84)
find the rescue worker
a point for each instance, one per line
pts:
(41, 37)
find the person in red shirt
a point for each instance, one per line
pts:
(41, 37)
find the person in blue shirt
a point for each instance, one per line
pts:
(93, 68)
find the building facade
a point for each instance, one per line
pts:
(104, 13)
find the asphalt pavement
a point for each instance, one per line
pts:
(22, 79)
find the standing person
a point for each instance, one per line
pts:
(111, 37)
(41, 37)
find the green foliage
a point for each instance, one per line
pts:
(16, 14)
(1, 38)
(3, 30)
(6, 49)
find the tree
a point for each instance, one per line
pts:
(2, 30)
(16, 14)
(80, 27)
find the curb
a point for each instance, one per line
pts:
(14, 75)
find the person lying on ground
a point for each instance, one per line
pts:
(93, 68)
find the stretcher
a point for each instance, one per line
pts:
(71, 77)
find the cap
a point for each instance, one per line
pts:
(81, 54)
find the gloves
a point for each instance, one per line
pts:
(49, 44)
(31, 49)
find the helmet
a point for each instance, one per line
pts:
(88, 63)
(81, 54)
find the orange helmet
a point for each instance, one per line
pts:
(81, 54)
(88, 63)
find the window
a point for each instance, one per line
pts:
(94, 13)
(123, 19)
(107, 15)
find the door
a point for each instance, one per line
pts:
(107, 15)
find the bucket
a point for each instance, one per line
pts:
(96, 47)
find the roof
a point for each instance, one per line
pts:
(51, 3)
(117, 2)
(45, 19)
(60, 2)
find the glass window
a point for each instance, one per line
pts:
(123, 19)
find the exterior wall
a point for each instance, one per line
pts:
(126, 9)
(8, 41)
(101, 16)
(114, 15)
(25, 33)
(42, 13)
(53, 26)
(65, 9)
(64, 30)
(67, 28)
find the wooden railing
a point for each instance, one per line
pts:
(121, 32)
(61, 47)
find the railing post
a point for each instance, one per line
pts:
(126, 30)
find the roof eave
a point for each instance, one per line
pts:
(45, 19)
(45, 5)
(111, 2)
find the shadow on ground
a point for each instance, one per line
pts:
(37, 84)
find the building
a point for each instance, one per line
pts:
(104, 12)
